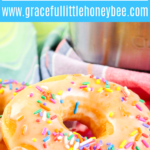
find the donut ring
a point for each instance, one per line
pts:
(117, 117)
(8, 89)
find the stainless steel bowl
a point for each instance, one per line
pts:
(123, 45)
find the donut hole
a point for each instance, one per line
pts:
(91, 116)
(76, 126)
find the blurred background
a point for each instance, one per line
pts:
(119, 52)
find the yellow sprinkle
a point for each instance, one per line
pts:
(109, 90)
(1, 91)
(29, 86)
(14, 93)
(60, 92)
(34, 139)
(123, 144)
(71, 148)
(118, 88)
(98, 81)
(93, 137)
(100, 89)
(49, 121)
(111, 114)
(0, 80)
(133, 133)
(74, 132)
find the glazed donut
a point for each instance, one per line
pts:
(8, 89)
(117, 117)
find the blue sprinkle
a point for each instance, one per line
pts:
(10, 86)
(16, 88)
(145, 125)
(108, 143)
(122, 99)
(76, 107)
(94, 147)
(48, 132)
(110, 147)
(69, 89)
(77, 140)
(97, 77)
(44, 104)
(101, 142)
(61, 101)
(40, 114)
(106, 82)
(46, 139)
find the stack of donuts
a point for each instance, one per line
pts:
(33, 119)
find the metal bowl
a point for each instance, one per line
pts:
(123, 45)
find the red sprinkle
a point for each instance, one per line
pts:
(91, 76)
(144, 135)
(45, 145)
(53, 117)
(146, 118)
(38, 120)
(138, 116)
(148, 123)
(134, 146)
(125, 94)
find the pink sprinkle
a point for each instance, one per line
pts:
(0, 85)
(72, 82)
(141, 119)
(83, 86)
(31, 94)
(44, 131)
(40, 89)
(75, 135)
(98, 146)
(92, 89)
(61, 134)
(128, 145)
(103, 80)
(144, 142)
(138, 107)
(21, 88)
(53, 101)
(54, 133)
(15, 82)
(12, 97)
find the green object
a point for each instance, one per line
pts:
(43, 97)
(65, 134)
(142, 101)
(107, 86)
(1, 116)
(48, 116)
(112, 148)
(53, 96)
(70, 137)
(3, 85)
(39, 101)
(27, 84)
(85, 138)
(137, 148)
(85, 83)
(36, 112)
